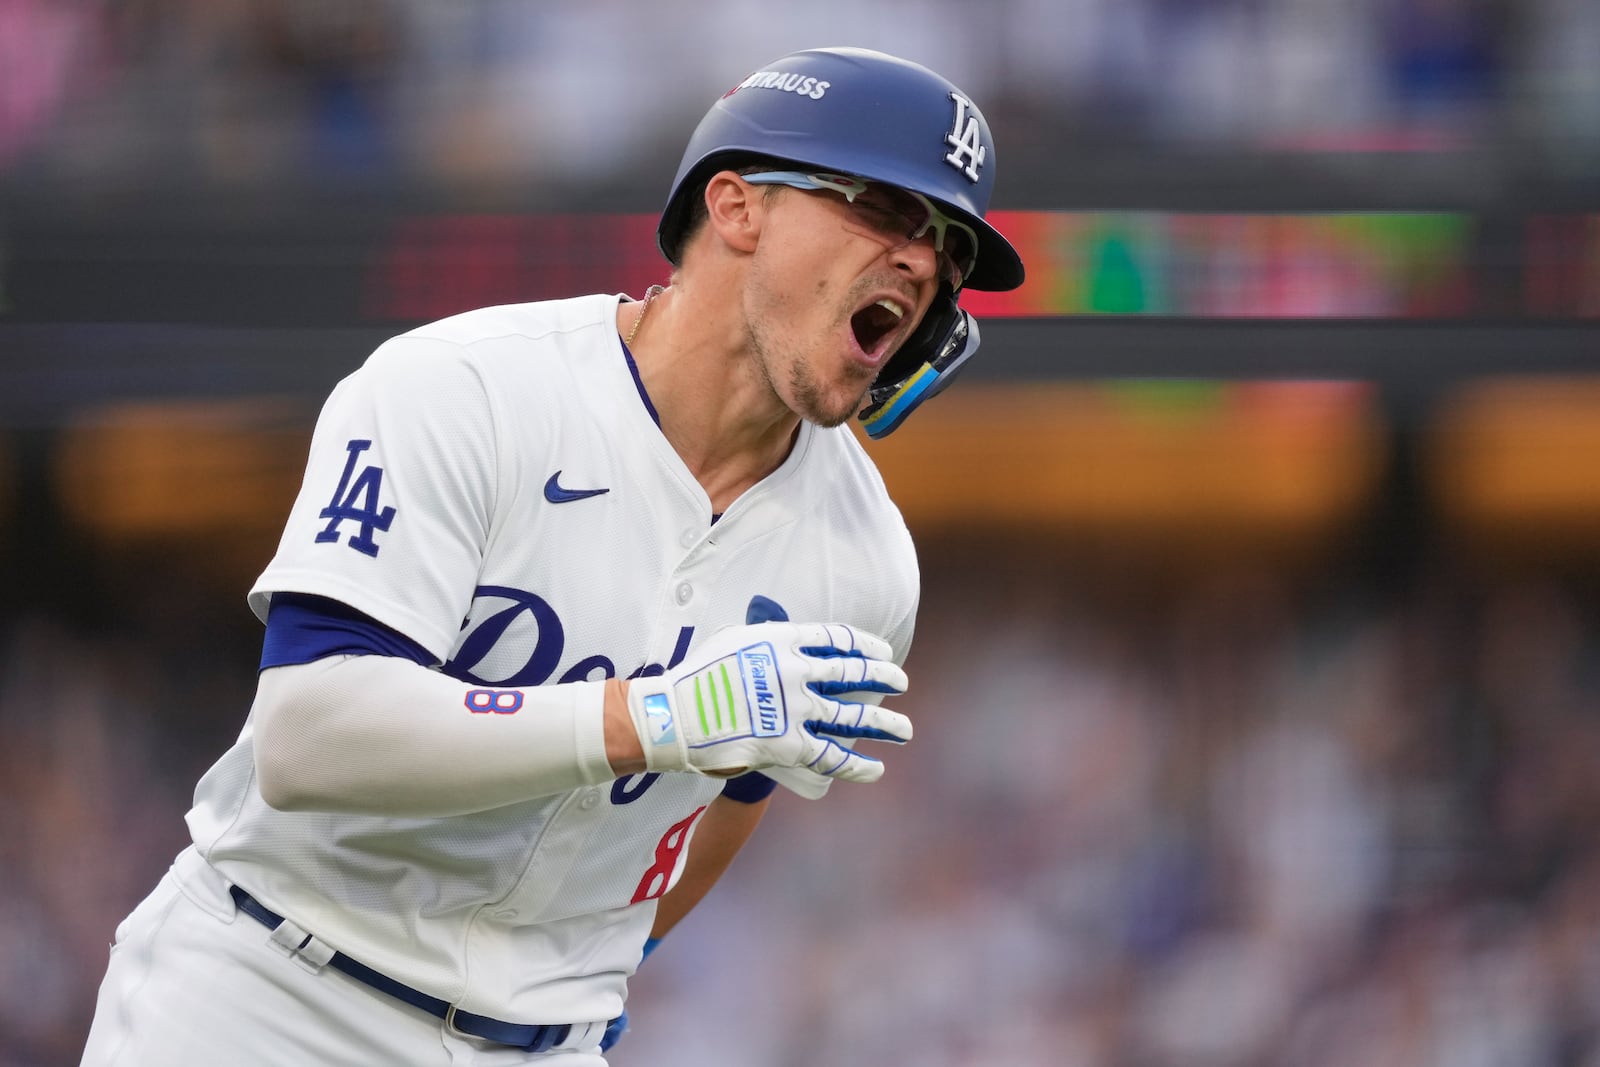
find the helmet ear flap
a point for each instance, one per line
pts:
(924, 366)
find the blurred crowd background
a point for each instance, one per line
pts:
(1257, 678)
(249, 91)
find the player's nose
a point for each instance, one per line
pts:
(917, 258)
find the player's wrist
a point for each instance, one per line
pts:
(624, 747)
(652, 712)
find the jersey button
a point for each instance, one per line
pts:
(590, 799)
(685, 592)
(506, 913)
(688, 538)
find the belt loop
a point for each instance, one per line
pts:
(295, 942)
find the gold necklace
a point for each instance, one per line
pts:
(649, 295)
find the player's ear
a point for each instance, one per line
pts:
(734, 210)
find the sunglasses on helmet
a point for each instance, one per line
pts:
(892, 211)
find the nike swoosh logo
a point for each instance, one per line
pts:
(557, 494)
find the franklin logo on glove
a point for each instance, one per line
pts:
(755, 664)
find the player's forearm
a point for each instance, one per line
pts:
(384, 736)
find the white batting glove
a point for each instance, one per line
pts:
(774, 694)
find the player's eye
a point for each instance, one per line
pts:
(891, 211)
(959, 247)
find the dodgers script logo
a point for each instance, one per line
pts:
(523, 636)
(967, 150)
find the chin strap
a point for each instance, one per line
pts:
(924, 367)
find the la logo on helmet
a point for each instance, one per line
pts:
(965, 140)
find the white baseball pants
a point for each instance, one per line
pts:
(193, 982)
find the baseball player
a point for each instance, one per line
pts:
(568, 588)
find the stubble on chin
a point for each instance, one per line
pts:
(826, 402)
(806, 395)
(818, 405)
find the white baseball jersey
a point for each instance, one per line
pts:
(494, 487)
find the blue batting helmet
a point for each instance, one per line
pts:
(858, 112)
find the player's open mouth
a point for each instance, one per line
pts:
(875, 323)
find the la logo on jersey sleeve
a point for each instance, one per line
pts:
(357, 500)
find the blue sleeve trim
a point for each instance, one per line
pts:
(749, 788)
(649, 947)
(303, 629)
